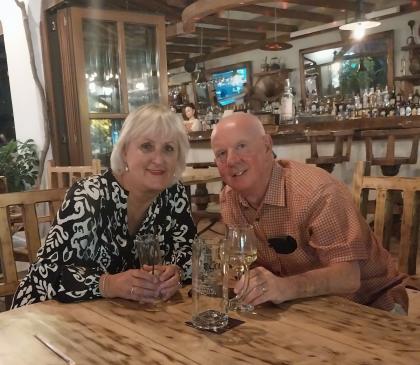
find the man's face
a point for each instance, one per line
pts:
(241, 157)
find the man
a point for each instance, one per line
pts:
(311, 238)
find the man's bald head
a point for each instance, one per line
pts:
(247, 123)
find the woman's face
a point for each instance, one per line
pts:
(189, 112)
(151, 161)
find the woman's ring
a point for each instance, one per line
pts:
(132, 291)
(263, 289)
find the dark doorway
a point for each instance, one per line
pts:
(7, 125)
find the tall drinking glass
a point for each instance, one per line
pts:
(148, 249)
(210, 305)
(240, 251)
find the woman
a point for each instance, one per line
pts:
(89, 251)
(191, 123)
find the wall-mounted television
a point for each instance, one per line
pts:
(227, 84)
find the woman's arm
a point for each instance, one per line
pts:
(69, 263)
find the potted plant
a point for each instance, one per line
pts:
(19, 164)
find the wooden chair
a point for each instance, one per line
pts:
(390, 164)
(204, 205)
(339, 156)
(31, 218)
(65, 176)
(3, 184)
(385, 186)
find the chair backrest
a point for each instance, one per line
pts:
(65, 176)
(27, 203)
(390, 164)
(339, 154)
(388, 189)
(3, 184)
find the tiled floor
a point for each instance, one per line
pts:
(414, 295)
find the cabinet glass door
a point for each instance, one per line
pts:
(114, 62)
(142, 70)
(101, 66)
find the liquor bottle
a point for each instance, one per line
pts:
(392, 99)
(379, 100)
(287, 109)
(365, 100)
(408, 108)
(385, 96)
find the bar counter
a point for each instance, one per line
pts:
(291, 142)
(295, 133)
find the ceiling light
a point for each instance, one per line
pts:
(275, 45)
(360, 24)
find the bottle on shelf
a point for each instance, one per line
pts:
(287, 108)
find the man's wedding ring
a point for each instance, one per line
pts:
(132, 291)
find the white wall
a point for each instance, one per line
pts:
(25, 98)
(26, 101)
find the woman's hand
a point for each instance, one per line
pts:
(135, 284)
(169, 280)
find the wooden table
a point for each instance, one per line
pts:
(327, 330)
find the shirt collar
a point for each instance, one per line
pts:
(276, 192)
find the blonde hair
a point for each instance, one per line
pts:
(146, 120)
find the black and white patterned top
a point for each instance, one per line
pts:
(89, 237)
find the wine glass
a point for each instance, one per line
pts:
(240, 252)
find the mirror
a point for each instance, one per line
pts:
(226, 85)
(347, 67)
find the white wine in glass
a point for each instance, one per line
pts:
(240, 252)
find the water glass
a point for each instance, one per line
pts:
(210, 305)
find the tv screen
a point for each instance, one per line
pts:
(229, 84)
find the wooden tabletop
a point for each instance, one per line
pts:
(327, 330)
(193, 176)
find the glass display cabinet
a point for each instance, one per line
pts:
(110, 63)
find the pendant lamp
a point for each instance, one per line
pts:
(360, 23)
(201, 75)
(275, 45)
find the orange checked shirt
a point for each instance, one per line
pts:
(317, 211)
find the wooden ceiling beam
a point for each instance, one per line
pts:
(177, 56)
(234, 34)
(189, 49)
(231, 51)
(199, 9)
(287, 13)
(332, 4)
(247, 24)
(196, 41)
(157, 6)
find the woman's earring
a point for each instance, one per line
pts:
(126, 169)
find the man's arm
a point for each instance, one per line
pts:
(337, 278)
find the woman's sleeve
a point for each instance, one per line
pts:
(183, 232)
(65, 268)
